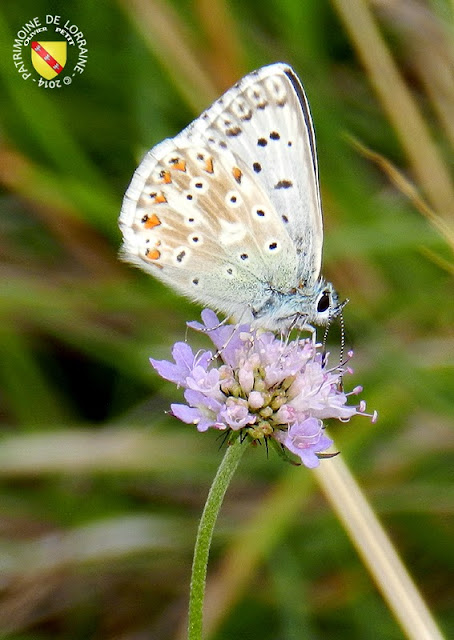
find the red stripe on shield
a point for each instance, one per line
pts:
(40, 50)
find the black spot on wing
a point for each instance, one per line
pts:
(283, 184)
(233, 131)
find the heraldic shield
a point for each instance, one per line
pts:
(49, 58)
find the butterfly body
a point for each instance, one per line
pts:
(228, 212)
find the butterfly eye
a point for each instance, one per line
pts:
(323, 302)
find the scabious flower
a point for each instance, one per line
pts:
(260, 385)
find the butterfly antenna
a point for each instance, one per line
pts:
(325, 335)
(342, 349)
(342, 345)
(325, 338)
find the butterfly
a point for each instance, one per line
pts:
(228, 212)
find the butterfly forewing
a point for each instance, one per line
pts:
(265, 120)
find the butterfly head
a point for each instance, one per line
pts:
(318, 306)
(323, 305)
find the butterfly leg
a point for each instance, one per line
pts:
(305, 326)
(313, 331)
(224, 346)
(218, 326)
(235, 329)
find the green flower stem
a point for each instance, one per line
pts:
(205, 533)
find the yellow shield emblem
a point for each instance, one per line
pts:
(48, 58)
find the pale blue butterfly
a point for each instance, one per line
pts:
(228, 212)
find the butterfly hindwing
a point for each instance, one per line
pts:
(200, 222)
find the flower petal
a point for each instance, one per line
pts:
(178, 372)
(306, 439)
(190, 415)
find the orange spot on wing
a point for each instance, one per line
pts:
(158, 198)
(153, 254)
(237, 174)
(180, 165)
(152, 221)
(165, 177)
(209, 165)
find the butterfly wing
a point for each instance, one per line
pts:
(265, 121)
(198, 220)
(228, 212)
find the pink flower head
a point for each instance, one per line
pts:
(261, 385)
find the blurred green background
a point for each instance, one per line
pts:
(100, 492)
